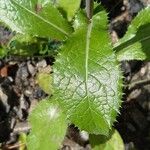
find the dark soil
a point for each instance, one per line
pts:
(19, 91)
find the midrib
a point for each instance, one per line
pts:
(41, 18)
(88, 36)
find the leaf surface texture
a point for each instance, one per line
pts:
(34, 18)
(87, 77)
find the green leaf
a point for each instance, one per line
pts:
(79, 20)
(24, 45)
(69, 7)
(22, 141)
(48, 127)
(87, 80)
(3, 52)
(45, 82)
(34, 18)
(113, 142)
(135, 43)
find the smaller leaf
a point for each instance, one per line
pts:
(97, 8)
(45, 82)
(135, 44)
(23, 45)
(79, 20)
(3, 52)
(113, 142)
(22, 141)
(69, 7)
(131, 53)
(26, 45)
(48, 127)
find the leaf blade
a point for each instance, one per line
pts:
(3, 52)
(45, 82)
(48, 126)
(70, 7)
(113, 142)
(84, 72)
(135, 43)
(34, 18)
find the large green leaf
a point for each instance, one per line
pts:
(48, 127)
(69, 7)
(87, 77)
(38, 18)
(135, 43)
(113, 142)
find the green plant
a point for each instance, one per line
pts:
(87, 80)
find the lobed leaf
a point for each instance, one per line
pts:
(34, 18)
(48, 127)
(135, 43)
(87, 80)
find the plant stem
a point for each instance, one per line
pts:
(89, 8)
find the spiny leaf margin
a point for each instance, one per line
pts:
(94, 112)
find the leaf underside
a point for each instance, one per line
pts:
(87, 78)
(37, 19)
(135, 44)
(48, 127)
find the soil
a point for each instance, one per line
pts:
(19, 91)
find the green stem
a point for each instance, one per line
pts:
(89, 8)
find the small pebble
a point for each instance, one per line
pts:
(46, 69)
(31, 69)
(84, 135)
(135, 6)
(129, 146)
(143, 71)
(27, 93)
(42, 64)
(4, 100)
(22, 72)
(10, 79)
